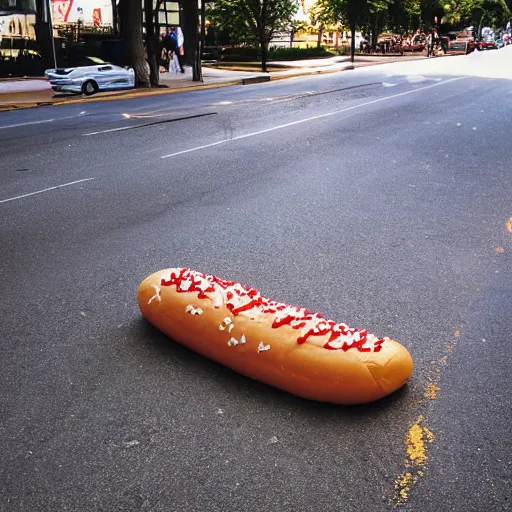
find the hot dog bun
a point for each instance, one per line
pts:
(287, 347)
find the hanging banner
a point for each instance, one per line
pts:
(96, 17)
(90, 12)
(61, 10)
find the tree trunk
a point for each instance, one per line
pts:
(115, 18)
(264, 55)
(320, 34)
(130, 16)
(190, 27)
(152, 45)
(374, 30)
(202, 35)
(353, 42)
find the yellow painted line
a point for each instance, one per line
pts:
(431, 392)
(418, 436)
(416, 441)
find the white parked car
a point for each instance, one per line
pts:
(88, 80)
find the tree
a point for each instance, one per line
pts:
(192, 31)
(152, 43)
(130, 16)
(404, 15)
(351, 13)
(254, 21)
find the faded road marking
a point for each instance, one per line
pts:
(416, 442)
(45, 190)
(313, 118)
(26, 124)
(431, 392)
(145, 125)
(419, 437)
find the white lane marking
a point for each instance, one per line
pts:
(313, 118)
(109, 131)
(26, 124)
(388, 84)
(45, 190)
(43, 121)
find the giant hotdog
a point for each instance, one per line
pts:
(287, 347)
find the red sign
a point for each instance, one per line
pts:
(96, 17)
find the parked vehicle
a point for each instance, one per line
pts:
(91, 79)
(462, 44)
(390, 43)
(487, 43)
(500, 43)
(418, 43)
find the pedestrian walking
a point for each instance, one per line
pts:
(434, 43)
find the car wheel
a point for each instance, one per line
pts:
(89, 87)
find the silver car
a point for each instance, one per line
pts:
(88, 80)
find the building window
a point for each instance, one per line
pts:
(168, 14)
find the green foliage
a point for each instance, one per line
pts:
(407, 15)
(298, 53)
(252, 21)
(255, 22)
(253, 54)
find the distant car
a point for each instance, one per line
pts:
(91, 79)
(500, 43)
(462, 44)
(487, 43)
(417, 44)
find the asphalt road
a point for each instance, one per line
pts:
(379, 197)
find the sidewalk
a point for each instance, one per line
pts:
(31, 92)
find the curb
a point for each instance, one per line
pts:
(310, 73)
(148, 92)
(23, 106)
(117, 97)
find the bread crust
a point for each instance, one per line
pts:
(256, 349)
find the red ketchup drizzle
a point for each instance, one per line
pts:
(239, 298)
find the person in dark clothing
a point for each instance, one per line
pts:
(178, 46)
(166, 49)
(434, 42)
